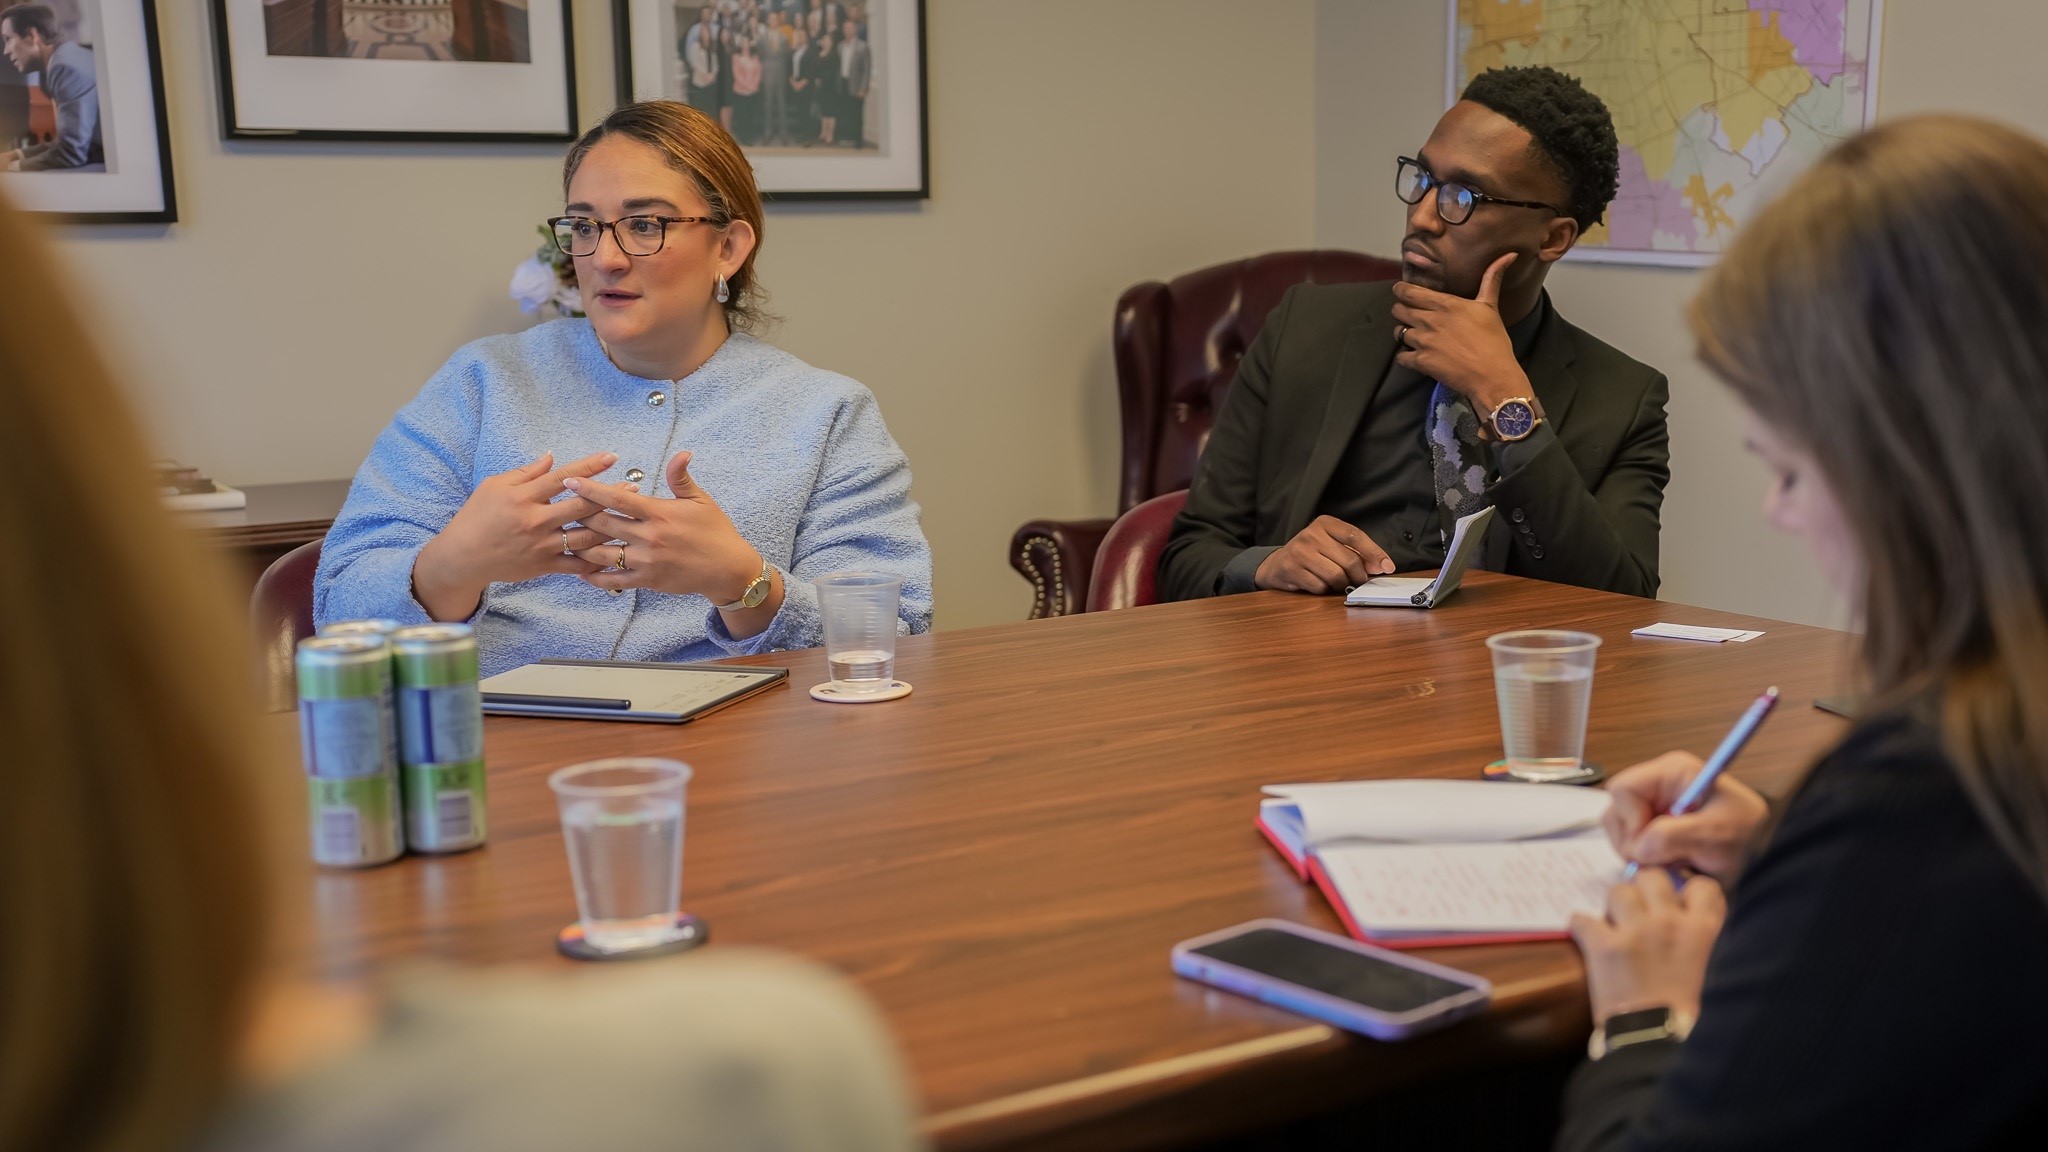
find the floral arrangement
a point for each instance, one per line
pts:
(547, 279)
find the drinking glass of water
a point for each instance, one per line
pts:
(860, 630)
(1544, 681)
(623, 821)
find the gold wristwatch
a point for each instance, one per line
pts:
(1642, 1026)
(1512, 419)
(756, 590)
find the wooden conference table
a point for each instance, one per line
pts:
(1003, 859)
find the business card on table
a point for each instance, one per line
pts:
(1696, 632)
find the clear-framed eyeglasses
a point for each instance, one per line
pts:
(1454, 202)
(635, 235)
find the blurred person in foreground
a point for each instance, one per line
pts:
(144, 1000)
(1873, 978)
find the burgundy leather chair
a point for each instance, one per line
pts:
(1126, 572)
(281, 615)
(1177, 346)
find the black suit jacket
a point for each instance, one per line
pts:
(1878, 982)
(1583, 510)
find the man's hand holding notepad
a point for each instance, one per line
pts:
(1427, 592)
(1412, 863)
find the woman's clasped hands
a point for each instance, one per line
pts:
(538, 520)
(684, 544)
(511, 529)
(1651, 947)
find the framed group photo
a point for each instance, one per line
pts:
(427, 70)
(827, 97)
(82, 128)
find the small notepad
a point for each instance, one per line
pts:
(1698, 632)
(1430, 591)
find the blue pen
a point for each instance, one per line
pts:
(1695, 793)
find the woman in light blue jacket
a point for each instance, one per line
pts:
(648, 483)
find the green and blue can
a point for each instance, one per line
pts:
(377, 627)
(349, 741)
(440, 736)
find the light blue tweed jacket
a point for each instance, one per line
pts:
(797, 457)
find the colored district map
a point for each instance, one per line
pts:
(1715, 102)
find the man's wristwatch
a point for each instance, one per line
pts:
(756, 590)
(1512, 419)
(1640, 1026)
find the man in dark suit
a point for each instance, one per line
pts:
(1365, 418)
(30, 41)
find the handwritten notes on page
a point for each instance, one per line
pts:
(1527, 886)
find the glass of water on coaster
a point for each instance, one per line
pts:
(1544, 682)
(860, 637)
(623, 822)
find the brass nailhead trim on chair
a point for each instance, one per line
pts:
(1045, 606)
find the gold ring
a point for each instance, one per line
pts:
(620, 564)
(565, 543)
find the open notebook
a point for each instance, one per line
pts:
(1419, 863)
(1427, 591)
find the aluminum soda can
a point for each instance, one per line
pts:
(440, 736)
(348, 738)
(378, 627)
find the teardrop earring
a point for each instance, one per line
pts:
(724, 293)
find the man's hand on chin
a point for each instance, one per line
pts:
(1463, 343)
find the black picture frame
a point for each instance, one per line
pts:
(137, 185)
(498, 93)
(905, 173)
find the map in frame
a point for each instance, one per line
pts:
(1716, 102)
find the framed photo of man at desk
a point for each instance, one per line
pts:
(427, 70)
(82, 131)
(826, 96)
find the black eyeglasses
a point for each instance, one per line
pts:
(635, 235)
(1454, 202)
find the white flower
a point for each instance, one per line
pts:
(568, 301)
(534, 284)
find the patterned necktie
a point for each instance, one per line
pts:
(1456, 452)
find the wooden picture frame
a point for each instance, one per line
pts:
(869, 98)
(83, 128)
(501, 71)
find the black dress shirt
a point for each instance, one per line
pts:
(1385, 483)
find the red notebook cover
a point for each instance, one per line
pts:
(1298, 863)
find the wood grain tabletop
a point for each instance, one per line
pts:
(1004, 858)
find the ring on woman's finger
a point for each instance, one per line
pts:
(566, 550)
(620, 563)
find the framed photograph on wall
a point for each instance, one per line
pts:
(82, 129)
(429, 70)
(826, 96)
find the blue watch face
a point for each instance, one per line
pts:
(1514, 420)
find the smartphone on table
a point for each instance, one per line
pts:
(1334, 979)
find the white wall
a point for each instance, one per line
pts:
(1379, 88)
(1077, 147)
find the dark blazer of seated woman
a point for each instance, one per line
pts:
(1879, 982)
